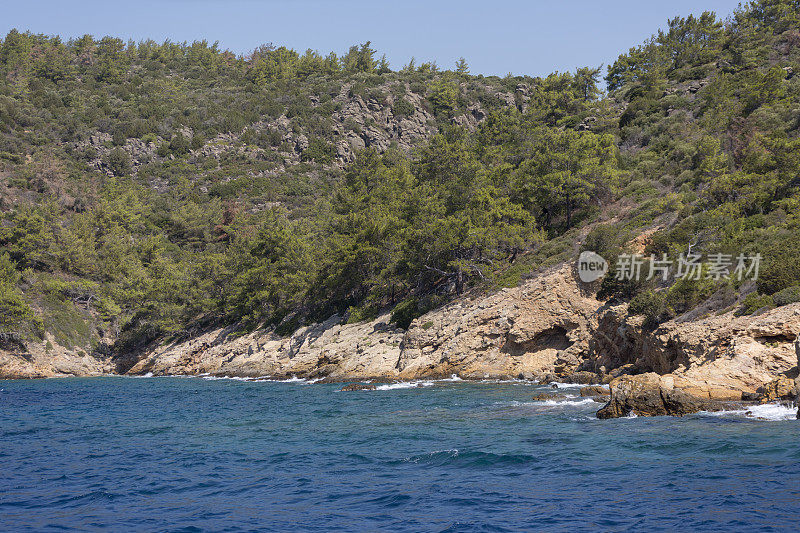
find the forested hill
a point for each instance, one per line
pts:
(150, 190)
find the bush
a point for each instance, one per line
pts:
(319, 151)
(606, 240)
(687, 293)
(649, 304)
(754, 302)
(405, 313)
(787, 296)
(119, 162)
(179, 145)
(403, 108)
(780, 267)
(443, 95)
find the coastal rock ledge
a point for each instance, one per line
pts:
(653, 395)
(551, 327)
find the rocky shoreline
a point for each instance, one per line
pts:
(552, 327)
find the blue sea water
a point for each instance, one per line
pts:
(193, 454)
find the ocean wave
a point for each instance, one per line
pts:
(772, 412)
(560, 402)
(575, 402)
(574, 385)
(405, 385)
(260, 379)
(461, 459)
(231, 378)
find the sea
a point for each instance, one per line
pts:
(217, 454)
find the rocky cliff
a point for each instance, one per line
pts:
(552, 326)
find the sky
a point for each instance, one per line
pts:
(531, 37)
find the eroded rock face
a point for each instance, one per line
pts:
(797, 379)
(48, 359)
(653, 395)
(533, 329)
(327, 350)
(720, 356)
(527, 330)
(782, 388)
(550, 328)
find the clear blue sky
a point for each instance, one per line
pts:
(496, 37)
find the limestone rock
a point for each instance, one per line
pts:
(653, 395)
(797, 379)
(782, 388)
(529, 328)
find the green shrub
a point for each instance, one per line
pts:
(787, 296)
(686, 293)
(405, 312)
(780, 266)
(753, 302)
(403, 108)
(119, 162)
(649, 304)
(319, 151)
(179, 145)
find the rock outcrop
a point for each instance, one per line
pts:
(592, 391)
(797, 379)
(328, 350)
(551, 327)
(538, 328)
(721, 356)
(352, 387)
(653, 395)
(49, 359)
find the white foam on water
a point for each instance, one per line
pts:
(568, 385)
(772, 412)
(561, 402)
(405, 385)
(576, 402)
(231, 378)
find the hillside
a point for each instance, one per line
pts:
(154, 192)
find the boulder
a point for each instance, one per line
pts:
(584, 378)
(595, 391)
(546, 397)
(640, 395)
(350, 387)
(653, 395)
(782, 388)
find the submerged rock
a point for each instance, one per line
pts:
(546, 397)
(350, 387)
